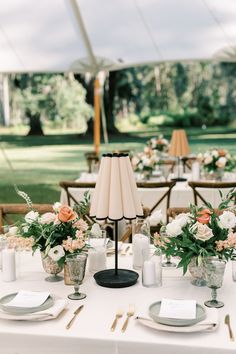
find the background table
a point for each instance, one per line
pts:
(90, 333)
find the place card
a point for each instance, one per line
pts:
(29, 299)
(179, 309)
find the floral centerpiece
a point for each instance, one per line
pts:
(217, 160)
(159, 143)
(203, 232)
(56, 234)
(146, 161)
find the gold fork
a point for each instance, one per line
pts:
(129, 314)
(227, 322)
(119, 314)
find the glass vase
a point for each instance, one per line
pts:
(197, 272)
(51, 267)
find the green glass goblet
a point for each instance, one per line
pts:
(214, 273)
(76, 266)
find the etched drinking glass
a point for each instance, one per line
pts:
(214, 274)
(76, 266)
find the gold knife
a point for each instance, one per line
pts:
(73, 318)
(227, 322)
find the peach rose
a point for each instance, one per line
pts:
(66, 214)
(222, 152)
(204, 216)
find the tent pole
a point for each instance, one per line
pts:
(96, 116)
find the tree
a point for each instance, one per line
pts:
(58, 98)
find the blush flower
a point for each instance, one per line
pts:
(47, 218)
(66, 214)
(202, 232)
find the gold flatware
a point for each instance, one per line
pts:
(119, 314)
(129, 314)
(69, 324)
(227, 322)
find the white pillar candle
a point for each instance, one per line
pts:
(8, 265)
(141, 245)
(195, 171)
(96, 259)
(149, 274)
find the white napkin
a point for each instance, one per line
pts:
(208, 325)
(49, 314)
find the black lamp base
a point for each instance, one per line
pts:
(122, 279)
(179, 179)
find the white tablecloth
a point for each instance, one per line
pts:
(90, 333)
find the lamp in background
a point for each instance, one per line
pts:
(116, 197)
(179, 148)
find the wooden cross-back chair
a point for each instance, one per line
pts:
(156, 185)
(92, 159)
(188, 161)
(148, 211)
(8, 210)
(210, 185)
(67, 185)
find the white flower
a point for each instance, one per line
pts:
(215, 153)
(56, 206)
(146, 162)
(135, 161)
(47, 218)
(96, 230)
(31, 216)
(183, 219)
(56, 253)
(12, 231)
(203, 232)
(221, 162)
(155, 218)
(208, 160)
(227, 220)
(25, 228)
(173, 229)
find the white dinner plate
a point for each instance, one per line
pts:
(154, 310)
(23, 310)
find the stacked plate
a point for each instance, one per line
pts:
(15, 310)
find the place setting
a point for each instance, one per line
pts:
(31, 306)
(180, 316)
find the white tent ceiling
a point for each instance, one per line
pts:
(47, 36)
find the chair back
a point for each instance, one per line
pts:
(166, 193)
(70, 188)
(210, 185)
(92, 160)
(8, 210)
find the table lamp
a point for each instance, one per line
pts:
(115, 197)
(179, 147)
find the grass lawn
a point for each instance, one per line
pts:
(39, 163)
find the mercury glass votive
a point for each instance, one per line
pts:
(214, 274)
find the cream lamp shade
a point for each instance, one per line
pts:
(179, 144)
(116, 197)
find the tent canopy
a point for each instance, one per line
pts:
(88, 35)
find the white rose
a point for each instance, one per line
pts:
(155, 218)
(47, 218)
(12, 231)
(173, 229)
(31, 216)
(183, 219)
(221, 162)
(56, 253)
(208, 160)
(146, 162)
(203, 232)
(227, 220)
(56, 206)
(215, 153)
